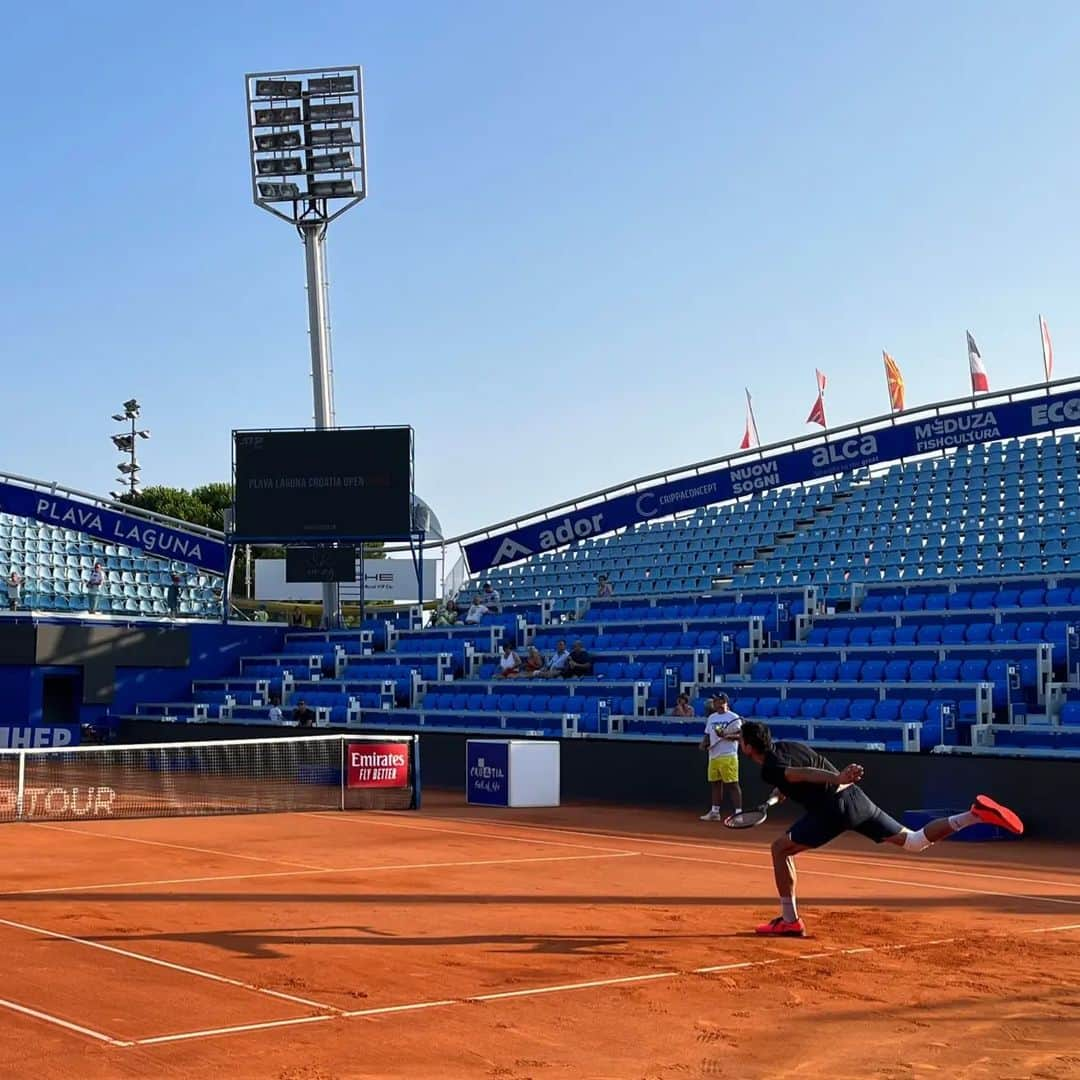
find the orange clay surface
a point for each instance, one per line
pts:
(563, 943)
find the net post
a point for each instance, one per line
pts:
(344, 766)
(416, 772)
(20, 786)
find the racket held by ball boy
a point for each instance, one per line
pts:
(747, 819)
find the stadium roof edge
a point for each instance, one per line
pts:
(876, 423)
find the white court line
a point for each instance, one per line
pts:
(865, 877)
(372, 820)
(198, 973)
(14, 1006)
(910, 863)
(313, 873)
(537, 991)
(178, 847)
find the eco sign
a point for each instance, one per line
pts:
(965, 427)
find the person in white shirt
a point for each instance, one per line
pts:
(555, 668)
(491, 598)
(604, 587)
(477, 610)
(275, 715)
(509, 662)
(721, 740)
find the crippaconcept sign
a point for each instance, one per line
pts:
(373, 765)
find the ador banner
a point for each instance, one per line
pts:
(843, 454)
(113, 527)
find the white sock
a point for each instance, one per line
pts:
(962, 821)
(715, 809)
(738, 809)
(787, 908)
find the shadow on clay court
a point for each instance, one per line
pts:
(266, 944)
(929, 901)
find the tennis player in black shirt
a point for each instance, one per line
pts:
(835, 804)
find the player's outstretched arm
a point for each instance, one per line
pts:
(850, 774)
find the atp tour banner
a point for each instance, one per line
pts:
(113, 527)
(843, 454)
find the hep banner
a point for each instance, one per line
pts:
(377, 765)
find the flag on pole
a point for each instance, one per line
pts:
(1048, 349)
(750, 435)
(979, 381)
(895, 382)
(817, 413)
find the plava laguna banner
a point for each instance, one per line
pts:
(844, 454)
(113, 527)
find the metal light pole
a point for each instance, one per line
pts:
(125, 443)
(308, 127)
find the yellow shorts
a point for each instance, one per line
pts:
(724, 768)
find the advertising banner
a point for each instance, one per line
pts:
(33, 737)
(113, 527)
(487, 772)
(845, 453)
(377, 765)
(384, 579)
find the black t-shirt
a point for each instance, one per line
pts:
(797, 755)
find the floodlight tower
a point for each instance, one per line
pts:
(308, 166)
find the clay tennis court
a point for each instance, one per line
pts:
(586, 942)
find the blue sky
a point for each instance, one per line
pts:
(589, 227)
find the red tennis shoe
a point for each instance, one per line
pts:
(779, 927)
(993, 813)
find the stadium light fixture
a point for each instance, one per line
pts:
(294, 119)
(125, 443)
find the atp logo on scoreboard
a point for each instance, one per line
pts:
(377, 765)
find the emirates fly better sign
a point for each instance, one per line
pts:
(378, 765)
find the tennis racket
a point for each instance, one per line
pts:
(747, 819)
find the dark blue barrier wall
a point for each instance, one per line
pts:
(639, 773)
(176, 655)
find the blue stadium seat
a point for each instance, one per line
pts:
(889, 709)
(872, 671)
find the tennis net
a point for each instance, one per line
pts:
(241, 776)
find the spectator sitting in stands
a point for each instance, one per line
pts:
(534, 662)
(476, 611)
(683, 706)
(491, 598)
(604, 587)
(555, 668)
(303, 716)
(14, 590)
(509, 662)
(446, 615)
(275, 715)
(296, 617)
(579, 662)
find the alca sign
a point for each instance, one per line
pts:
(964, 427)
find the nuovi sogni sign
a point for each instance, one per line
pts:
(840, 455)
